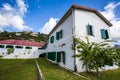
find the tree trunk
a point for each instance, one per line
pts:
(87, 70)
(98, 73)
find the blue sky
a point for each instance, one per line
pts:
(42, 15)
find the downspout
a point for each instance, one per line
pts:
(73, 36)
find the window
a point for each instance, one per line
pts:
(9, 46)
(61, 57)
(52, 39)
(40, 48)
(43, 55)
(63, 54)
(58, 56)
(59, 35)
(90, 30)
(18, 46)
(28, 47)
(1, 46)
(51, 56)
(104, 34)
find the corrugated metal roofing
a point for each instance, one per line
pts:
(22, 42)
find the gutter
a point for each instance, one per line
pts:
(73, 36)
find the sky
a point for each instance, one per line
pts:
(43, 15)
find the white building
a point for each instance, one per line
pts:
(21, 48)
(78, 22)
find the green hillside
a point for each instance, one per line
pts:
(24, 36)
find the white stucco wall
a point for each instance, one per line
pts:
(22, 52)
(66, 26)
(3, 51)
(83, 18)
(75, 25)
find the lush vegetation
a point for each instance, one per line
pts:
(96, 55)
(105, 75)
(24, 36)
(54, 72)
(10, 50)
(18, 69)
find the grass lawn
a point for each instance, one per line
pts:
(0, 56)
(105, 75)
(54, 72)
(17, 69)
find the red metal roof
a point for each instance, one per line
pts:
(22, 42)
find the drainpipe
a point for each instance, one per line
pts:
(73, 36)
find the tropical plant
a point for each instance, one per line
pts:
(118, 53)
(95, 55)
(10, 50)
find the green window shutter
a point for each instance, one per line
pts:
(63, 57)
(52, 39)
(60, 34)
(58, 56)
(107, 35)
(103, 33)
(53, 56)
(89, 30)
(48, 56)
(57, 35)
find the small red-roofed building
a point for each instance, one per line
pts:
(21, 48)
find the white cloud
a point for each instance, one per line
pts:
(12, 17)
(49, 25)
(109, 13)
(7, 7)
(22, 6)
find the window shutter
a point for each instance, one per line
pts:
(57, 35)
(54, 56)
(60, 34)
(63, 57)
(103, 33)
(107, 36)
(52, 39)
(91, 30)
(58, 56)
(49, 55)
(88, 29)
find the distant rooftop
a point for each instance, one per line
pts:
(22, 43)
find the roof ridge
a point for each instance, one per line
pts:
(82, 7)
(76, 6)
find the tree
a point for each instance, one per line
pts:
(95, 55)
(10, 50)
(118, 54)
